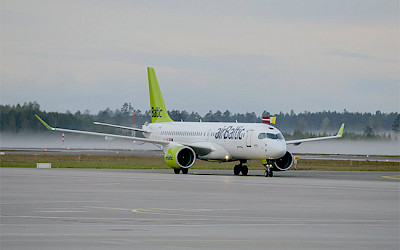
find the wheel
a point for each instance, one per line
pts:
(185, 170)
(245, 170)
(266, 174)
(236, 170)
(271, 173)
(177, 170)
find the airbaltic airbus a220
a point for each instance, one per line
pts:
(184, 142)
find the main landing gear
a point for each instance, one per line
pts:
(241, 168)
(178, 170)
(268, 171)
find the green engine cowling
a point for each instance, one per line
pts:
(178, 157)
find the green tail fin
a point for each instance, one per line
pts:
(158, 111)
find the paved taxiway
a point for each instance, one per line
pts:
(131, 209)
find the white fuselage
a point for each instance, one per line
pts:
(229, 141)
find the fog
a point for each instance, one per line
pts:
(341, 146)
(71, 141)
(50, 140)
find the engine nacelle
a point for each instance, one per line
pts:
(180, 157)
(284, 163)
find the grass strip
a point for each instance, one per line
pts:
(157, 162)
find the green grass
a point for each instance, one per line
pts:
(143, 162)
(347, 165)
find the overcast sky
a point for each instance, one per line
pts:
(208, 55)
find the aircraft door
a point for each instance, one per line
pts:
(208, 134)
(249, 134)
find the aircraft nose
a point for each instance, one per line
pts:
(278, 150)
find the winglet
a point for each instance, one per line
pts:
(45, 124)
(340, 132)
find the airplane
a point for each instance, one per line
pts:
(185, 142)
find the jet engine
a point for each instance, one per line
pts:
(284, 163)
(178, 157)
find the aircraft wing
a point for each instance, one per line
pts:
(118, 126)
(199, 149)
(298, 142)
(160, 142)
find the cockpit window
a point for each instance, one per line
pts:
(272, 136)
(278, 136)
(262, 136)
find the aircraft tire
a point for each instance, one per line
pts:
(245, 170)
(177, 171)
(271, 173)
(266, 174)
(185, 170)
(236, 170)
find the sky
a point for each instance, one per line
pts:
(242, 56)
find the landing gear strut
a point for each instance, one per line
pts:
(178, 170)
(268, 172)
(241, 168)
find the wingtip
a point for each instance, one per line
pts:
(44, 123)
(340, 132)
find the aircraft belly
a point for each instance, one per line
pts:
(241, 151)
(249, 154)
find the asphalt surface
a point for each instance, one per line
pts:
(156, 209)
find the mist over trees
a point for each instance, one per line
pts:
(21, 119)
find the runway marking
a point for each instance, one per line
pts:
(271, 220)
(176, 209)
(149, 211)
(393, 177)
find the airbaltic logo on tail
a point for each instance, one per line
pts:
(230, 133)
(156, 112)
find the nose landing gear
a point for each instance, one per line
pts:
(268, 172)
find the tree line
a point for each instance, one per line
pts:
(20, 118)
